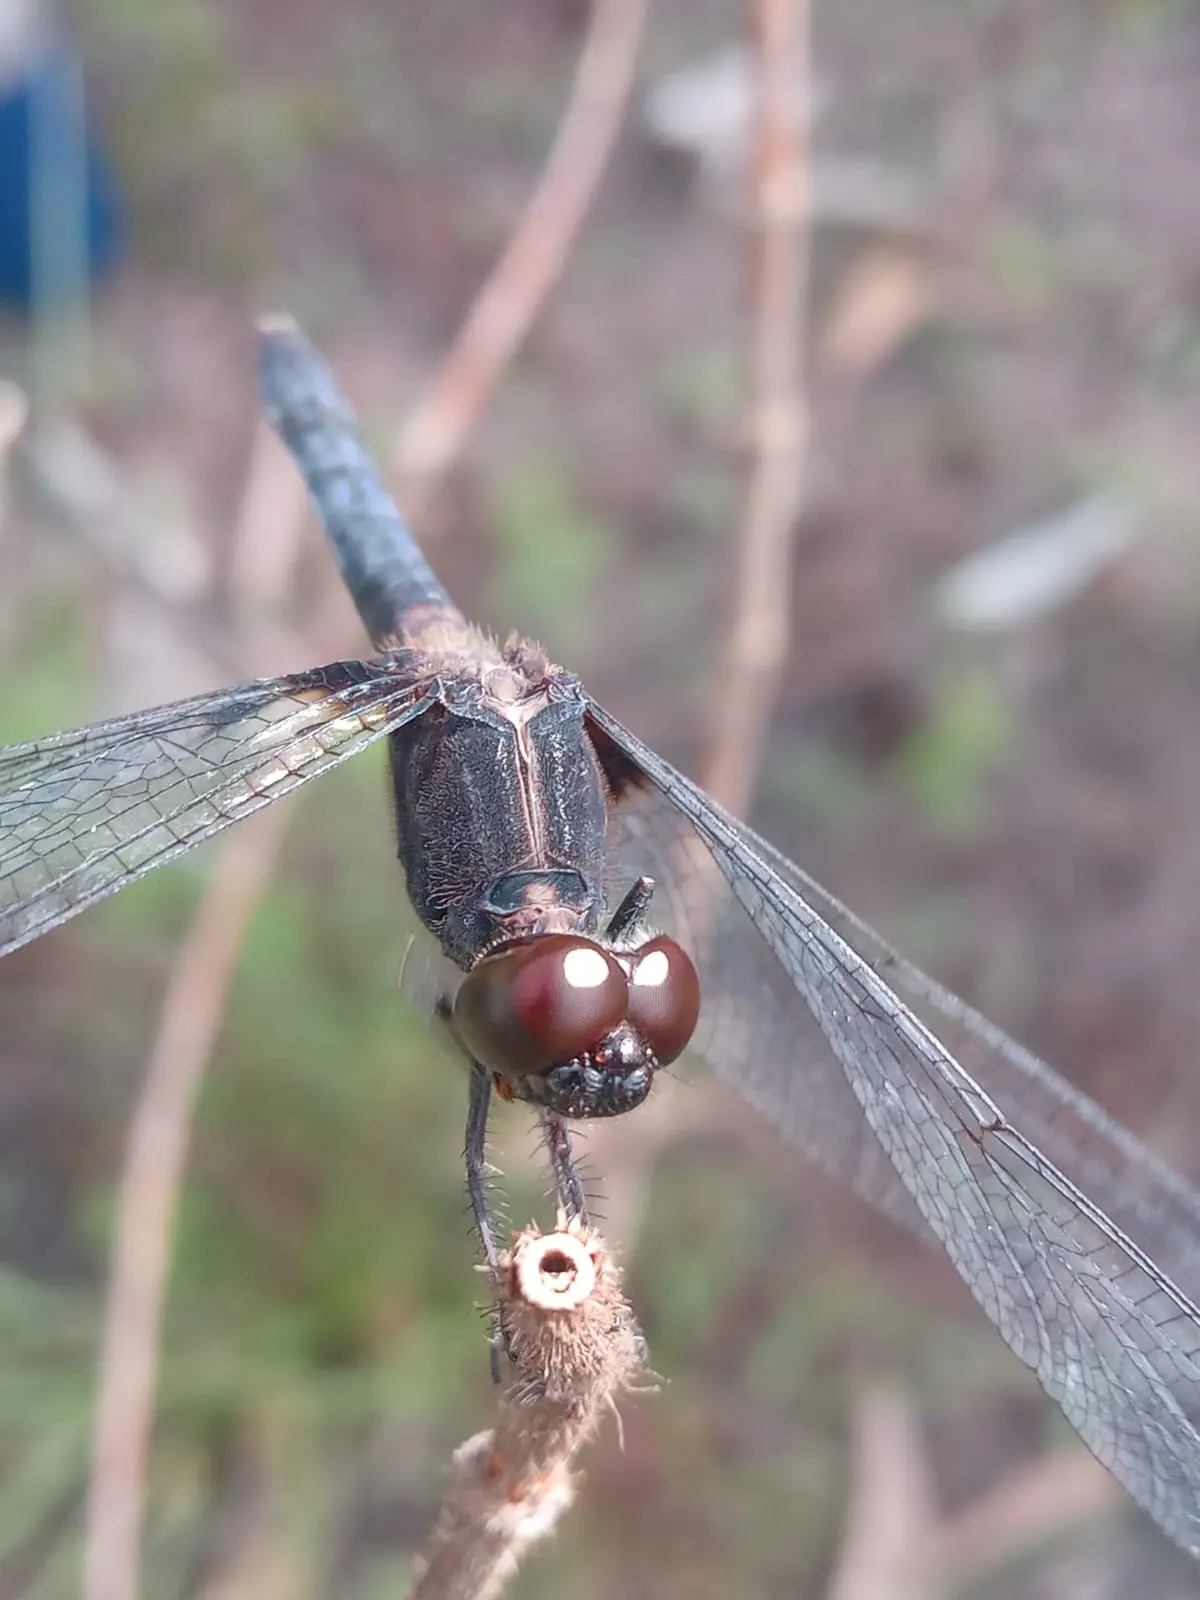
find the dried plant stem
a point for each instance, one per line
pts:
(191, 1019)
(886, 1540)
(758, 637)
(14, 409)
(575, 1350)
(273, 508)
(756, 645)
(1035, 1504)
(506, 306)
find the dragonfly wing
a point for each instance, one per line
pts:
(1146, 1197)
(757, 1033)
(84, 813)
(1110, 1337)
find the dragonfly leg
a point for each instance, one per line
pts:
(567, 1182)
(475, 1155)
(632, 909)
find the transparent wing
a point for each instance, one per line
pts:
(806, 1029)
(758, 1034)
(82, 814)
(1147, 1199)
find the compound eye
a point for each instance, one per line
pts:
(540, 1002)
(664, 997)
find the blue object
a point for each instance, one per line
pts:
(61, 227)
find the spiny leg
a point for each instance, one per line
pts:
(567, 1183)
(475, 1156)
(571, 1195)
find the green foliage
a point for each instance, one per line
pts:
(1023, 260)
(1173, 348)
(931, 929)
(704, 1203)
(819, 781)
(704, 386)
(53, 663)
(45, 1405)
(949, 760)
(553, 553)
(707, 498)
(201, 147)
(1147, 20)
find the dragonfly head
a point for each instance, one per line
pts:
(566, 1022)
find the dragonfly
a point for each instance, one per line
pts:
(598, 916)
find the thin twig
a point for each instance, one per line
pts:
(756, 644)
(575, 1350)
(190, 1021)
(886, 1540)
(757, 641)
(273, 508)
(506, 306)
(14, 409)
(442, 421)
(1034, 1505)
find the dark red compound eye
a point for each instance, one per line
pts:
(539, 1002)
(664, 997)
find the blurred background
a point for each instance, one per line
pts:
(983, 740)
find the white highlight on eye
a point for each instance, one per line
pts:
(585, 969)
(653, 971)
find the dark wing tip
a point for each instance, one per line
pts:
(621, 771)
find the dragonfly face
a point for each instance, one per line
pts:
(576, 1026)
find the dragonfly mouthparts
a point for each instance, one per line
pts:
(613, 1078)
